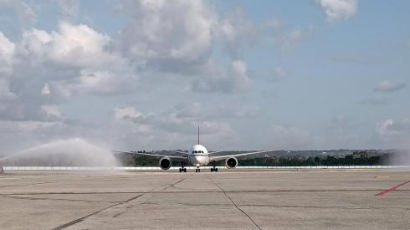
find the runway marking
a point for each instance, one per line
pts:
(63, 226)
(382, 193)
(94, 213)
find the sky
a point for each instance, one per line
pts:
(309, 74)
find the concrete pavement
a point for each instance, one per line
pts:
(231, 199)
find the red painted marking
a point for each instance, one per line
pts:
(382, 193)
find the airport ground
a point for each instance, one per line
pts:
(230, 199)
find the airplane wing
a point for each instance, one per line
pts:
(213, 152)
(223, 157)
(176, 157)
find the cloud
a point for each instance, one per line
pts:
(178, 38)
(45, 69)
(69, 8)
(45, 90)
(174, 127)
(72, 46)
(25, 13)
(235, 80)
(165, 35)
(290, 137)
(237, 31)
(5, 93)
(76, 58)
(240, 75)
(51, 111)
(336, 10)
(126, 113)
(277, 33)
(47, 75)
(7, 49)
(103, 82)
(395, 133)
(294, 36)
(388, 86)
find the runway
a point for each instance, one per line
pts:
(230, 199)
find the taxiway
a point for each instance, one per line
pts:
(230, 199)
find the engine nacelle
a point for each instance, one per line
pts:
(165, 163)
(231, 162)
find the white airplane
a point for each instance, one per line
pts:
(198, 155)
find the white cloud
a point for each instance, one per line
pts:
(237, 31)
(174, 127)
(72, 45)
(166, 34)
(219, 80)
(338, 9)
(388, 86)
(240, 75)
(126, 113)
(25, 13)
(99, 82)
(7, 49)
(51, 111)
(45, 90)
(178, 38)
(395, 133)
(75, 58)
(46, 68)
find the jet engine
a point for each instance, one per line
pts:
(165, 163)
(231, 162)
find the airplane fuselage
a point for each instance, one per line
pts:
(198, 155)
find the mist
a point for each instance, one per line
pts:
(68, 152)
(400, 157)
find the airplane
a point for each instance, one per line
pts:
(198, 155)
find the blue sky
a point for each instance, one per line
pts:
(313, 74)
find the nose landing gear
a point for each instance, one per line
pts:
(197, 168)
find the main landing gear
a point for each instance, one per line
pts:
(214, 168)
(182, 169)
